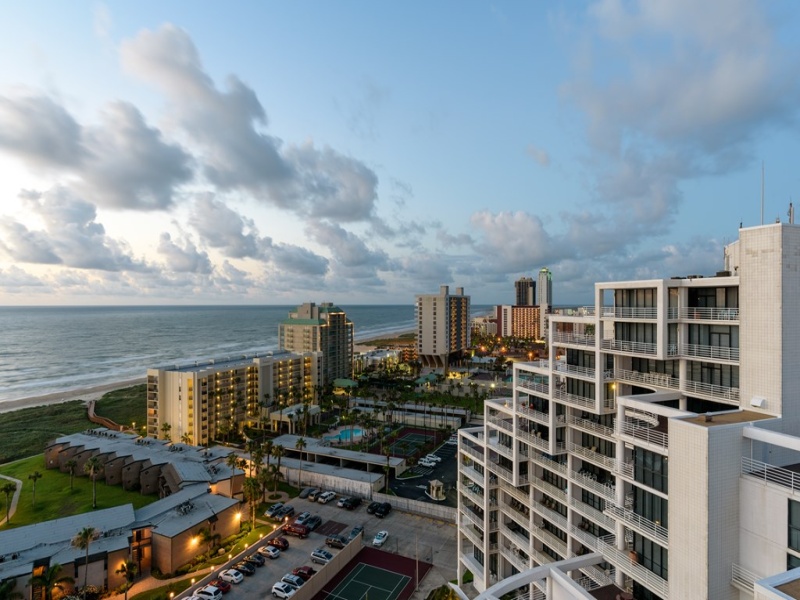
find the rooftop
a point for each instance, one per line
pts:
(727, 418)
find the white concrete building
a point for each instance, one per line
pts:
(658, 442)
(442, 326)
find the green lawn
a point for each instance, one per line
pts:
(54, 499)
(125, 406)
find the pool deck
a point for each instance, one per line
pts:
(333, 436)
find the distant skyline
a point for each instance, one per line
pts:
(362, 153)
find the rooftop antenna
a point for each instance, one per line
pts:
(791, 213)
(762, 192)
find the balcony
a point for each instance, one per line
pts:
(707, 314)
(534, 440)
(640, 524)
(585, 372)
(513, 533)
(543, 365)
(607, 489)
(515, 556)
(551, 540)
(476, 498)
(549, 463)
(472, 517)
(630, 347)
(630, 312)
(590, 512)
(474, 452)
(550, 490)
(648, 435)
(501, 423)
(533, 387)
(719, 393)
(770, 473)
(472, 535)
(540, 417)
(743, 578)
(709, 352)
(551, 515)
(573, 339)
(505, 473)
(518, 494)
(591, 426)
(574, 400)
(591, 454)
(655, 379)
(628, 563)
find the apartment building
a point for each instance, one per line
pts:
(443, 327)
(324, 328)
(525, 291)
(655, 453)
(200, 402)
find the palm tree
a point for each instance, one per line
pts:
(8, 489)
(300, 444)
(92, 468)
(276, 476)
(257, 458)
(71, 465)
(165, 429)
(186, 438)
(251, 491)
(278, 453)
(49, 579)
(232, 461)
(7, 590)
(268, 450)
(264, 479)
(34, 477)
(128, 569)
(82, 541)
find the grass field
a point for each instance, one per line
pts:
(125, 406)
(54, 499)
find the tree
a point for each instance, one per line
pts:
(51, 578)
(71, 465)
(128, 569)
(387, 468)
(278, 452)
(264, 479)
(276, 476)
(232, 461)
(300, 444)
(34, 477)
(268, 450)
(8, 489)
(82, 541)
(92, 467)
(251, 491)
(7, 591)
(208, 538)
(165, 429)
(257, 457)
(186, 438)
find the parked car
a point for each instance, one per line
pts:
(352, 503)
(313, 494)
(306, 491)
(209, 592)
(373, 506)
(269, 551)
(433, 457)
(342, 501)
(300, 531)
(423, 462)
(222, 585)
(335, 541)
(231, 576)
(255, 559)
(305, 572)
(354, 532)
(281, 543)
(285, 513)
(383, 510)
(245, 568)
(321, 556)
(293, 580)
(283, 590)
(302, 518)
(380, 538)
(273, 509)
(314, 522)
(326, 497)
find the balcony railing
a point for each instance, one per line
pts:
(540, 364)
(630, 347)
(603, 578)
(711, 352)
(575, 339)
(515, 537)
(607, 490)
(717, 392)
(573, 399)
(518, 494)
(770, 473)
(591, 426)
(473, 452)
(639, 523)
(656, 379)
(553, 541)
(744, 578)
(596, 457)
(630, 312)
(645, 434)
(502, 423)
(501, 470)
(549, 463)
(627, 562)
(590, 512)
(536, 415)
(476, 498)
(512, 554)
(537, 442)
(533, 387)
(550, 514)
(473, 535)
(471, 516)
(624, 468)
(703, 313)
(587, 372)
(550, 489)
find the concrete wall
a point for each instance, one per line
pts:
(340, 485)
(436, 511)
(763, 521)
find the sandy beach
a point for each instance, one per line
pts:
(86, 394)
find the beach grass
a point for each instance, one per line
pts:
(125, 406)
(55, 499)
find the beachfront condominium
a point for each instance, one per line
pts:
(443, 332)
(525, 291)
(201, 402)
(656, 453)
(324, 328)
(521, 322)
(544, 298)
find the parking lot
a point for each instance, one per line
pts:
(409, 535)
(445, 471)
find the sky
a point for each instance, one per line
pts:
(165, 152)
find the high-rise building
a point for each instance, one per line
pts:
(521, 322)
(200, 402)
(324, 328)
(655, 454)
(525, 288)
(442, 327)
(545, 288)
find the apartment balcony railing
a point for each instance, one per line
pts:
(591, 426)
(474, 452)
(503, 449)
(574, 339)
(476, 498)
(501, 423)
(630, 312)
(717, 392)
(472, 517)
(539, 364)
(533, 387)
(630, 347)
(770, 473)
(703, 313)
(472, 473)
(590, 512)
(710, 352)
(744, 578)
(517, 494)
(586, 372)
(553, 541)
(573, 399)
(540, 557)
(536, 415)
(639, 523)
(586, 538)
(512, 555)
(607, 490)
(624, 468)
(550, 464)
(628, 563)
(603, 578)
(472, 535)
(501, 470)
(550, 489)
(534, 440)
(514, 536)
(645, 434)
(591, 454)
(656, 379)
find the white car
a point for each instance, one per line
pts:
(380, 538)
(283, 590)
(321, 556)
(326, 497)
(209, 592)
(434, 458)
(424, 462)
(231, 576)
(269, 551)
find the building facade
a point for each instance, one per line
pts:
(443, 327)
(324, 328)
(525, 291)
(202, 402)
(655, 453)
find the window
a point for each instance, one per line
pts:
(794, 525)
(651, 469)
(651, 556)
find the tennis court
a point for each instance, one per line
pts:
(367, 582)
(409, 443)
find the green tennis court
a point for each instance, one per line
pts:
(409, 443)
(367, 582)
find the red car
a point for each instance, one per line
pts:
(305, 572)
(281, 543)
(222, 586)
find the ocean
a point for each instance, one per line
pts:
(45, 350)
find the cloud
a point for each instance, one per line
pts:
(183, 258)
(351, 257)
(539, 155)
(224, 229)
(516, 241)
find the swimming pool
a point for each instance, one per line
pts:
(344, 435)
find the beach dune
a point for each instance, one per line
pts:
(84, 394)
